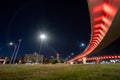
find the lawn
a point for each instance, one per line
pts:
(60, 72)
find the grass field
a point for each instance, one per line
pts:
(60, 72)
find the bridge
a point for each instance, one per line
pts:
(105, 26)
(98, 59)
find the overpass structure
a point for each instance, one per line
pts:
(98, 59)
(105, 25)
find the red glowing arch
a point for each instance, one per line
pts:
(102, 14)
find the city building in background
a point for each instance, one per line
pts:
(33, 58)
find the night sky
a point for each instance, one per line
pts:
(66, 23)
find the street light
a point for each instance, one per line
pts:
(17, 49)
(41, 37)
(69, 57)
(82, 45)
(72, 54)
(12, 44)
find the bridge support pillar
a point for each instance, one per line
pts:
(84, 60)
(98, 61)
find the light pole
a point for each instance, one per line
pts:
(41, 37)
(82, 45)
(17, 49)
(12, 44)
(72, 54)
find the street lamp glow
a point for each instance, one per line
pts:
(72, 53)
(69, 56)
(42, 36)
(82, 44)
(11, 43)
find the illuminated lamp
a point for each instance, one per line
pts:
(98, 58)
(97, 26)
(106, 20)
(88, 59)
(97, 19)
(104, 57)
(98, 35)
(118, 56)
(95, 44)
(109, 9)
(94, 38)
(89, 49)
(115, 56)
(99, 31)
(95, 58)
(98, 8)
(102, 33)
(96, 31)
(97, 38)
(95, 34)
(109, 57)
(112, 56)
(104, 27)
(95, 41)
(101, 37)
(93, 47)
(79, 60)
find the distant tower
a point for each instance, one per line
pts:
(58, 58)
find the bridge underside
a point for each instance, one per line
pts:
(112, 34)
(105, 25)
